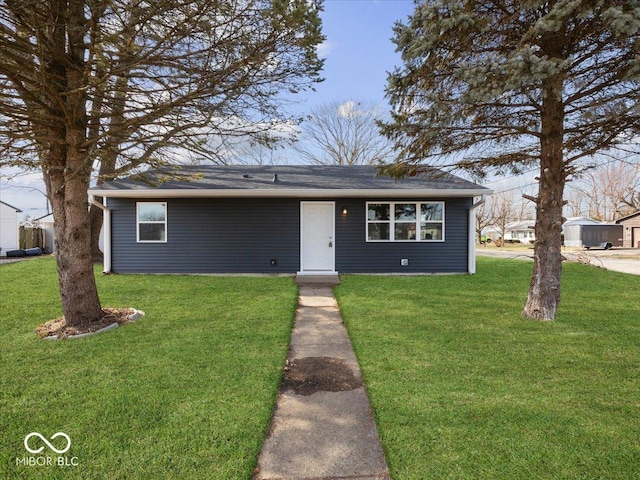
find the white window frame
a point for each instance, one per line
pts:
(163, 222)
(392, 221)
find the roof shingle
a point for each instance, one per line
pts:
(255, 179)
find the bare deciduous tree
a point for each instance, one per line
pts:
(503, 210)
(483, 219)
(344, 133)
(607, 192)
(130, 84)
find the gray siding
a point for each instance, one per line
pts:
(244, 235)
(355, 255)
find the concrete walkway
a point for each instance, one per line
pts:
(327, 434)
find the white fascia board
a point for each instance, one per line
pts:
(287, 193)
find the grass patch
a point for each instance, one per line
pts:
(186, 392)
(462, 387)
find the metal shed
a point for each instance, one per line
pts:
(589, 234)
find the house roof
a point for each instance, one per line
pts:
(47, 218)
(11, 206)
(286, 181)
(627, 217)
(520, 225)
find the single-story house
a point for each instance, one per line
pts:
(522, 231)
(8, 227)
(288, 219)
(631, 226)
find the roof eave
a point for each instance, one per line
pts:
(287, 193)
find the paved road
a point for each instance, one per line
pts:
(616, 259)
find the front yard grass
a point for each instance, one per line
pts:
(462, 387)
(186, 392)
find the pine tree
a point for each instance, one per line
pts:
(500, 86)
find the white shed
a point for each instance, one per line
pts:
(46, 223)
(8, 227)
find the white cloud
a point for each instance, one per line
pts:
(24, 191)
(325, 48)
(348, 109)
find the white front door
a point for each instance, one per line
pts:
(317, 237)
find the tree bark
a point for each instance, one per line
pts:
(78, 291)
(544, 291)
(67, 169)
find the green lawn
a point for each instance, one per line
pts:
(185, 393)
(462, 387)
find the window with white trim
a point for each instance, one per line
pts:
(152, 221)
(405, 221)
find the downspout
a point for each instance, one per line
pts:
(471, 267)
(106, 224)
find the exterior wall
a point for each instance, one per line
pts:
(631, 231)
(524, 236)
(210, 236)
(355, 255)
(8, 229)
(244, 235)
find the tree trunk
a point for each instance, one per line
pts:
(78, 291)
(67, 168)
(544, 291)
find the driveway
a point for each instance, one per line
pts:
(4, 260)
(625, 260)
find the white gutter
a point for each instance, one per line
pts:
(106, 224)
(286, 193)
(472, 235)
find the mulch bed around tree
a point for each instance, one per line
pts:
(315, 374)
(59, 328)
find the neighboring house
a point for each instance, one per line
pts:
(523, 231)
(491, 233)
(631, 233)
(46, 223)
(289, 219)
(8, 228)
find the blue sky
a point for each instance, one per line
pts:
(358, 54)
(358, 50)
